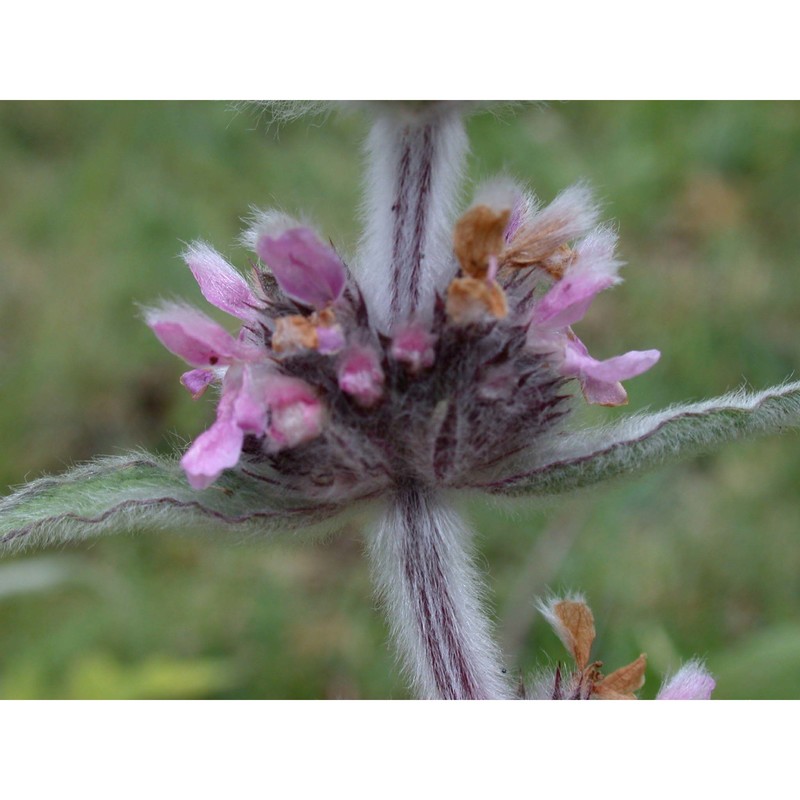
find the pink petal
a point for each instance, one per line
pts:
(691, 682)
(307, 270)
(601, 393)
(296, 414)
(194, 337)
(212, 452)
(600, 380)
(220, 446)
(249, 404)
(242, 409)
(414, 346)
(197, 381)
(569, 299)
(295, 424)
(361, 376)
(591, 270)
(219, 282)
(577, 361)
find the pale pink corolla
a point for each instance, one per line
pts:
(413, 345)
(692, 682)
(600, 380)
(198, 380)
(220, 283)
(591, 270)
(255, 400)
(308, 271)
(242, 409)
(196, 338)
(296, 414)
(360, 375)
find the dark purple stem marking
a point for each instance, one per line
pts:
(422, 553)
(410, 212)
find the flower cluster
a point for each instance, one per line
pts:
(438, 398)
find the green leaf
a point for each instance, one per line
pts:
(139, 491)
(645, 441)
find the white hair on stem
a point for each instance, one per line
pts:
(420, 557)
(415, 158)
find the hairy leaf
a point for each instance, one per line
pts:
(644, 441)
(140, 491)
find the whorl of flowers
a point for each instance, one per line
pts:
(314, 389)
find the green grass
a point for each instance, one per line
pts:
(701, 558)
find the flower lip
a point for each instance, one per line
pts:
(196, 338)
(308, 271)
(600, 380)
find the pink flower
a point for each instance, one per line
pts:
(600, 380)
(242, 409)
(360, 375)
(591, 270)
(296, 414)
(307, 270)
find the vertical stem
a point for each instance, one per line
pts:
(432, 597)
(415, 156)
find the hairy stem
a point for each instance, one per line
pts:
(432, 596)
(415, 158)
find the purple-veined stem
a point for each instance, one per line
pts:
(422, 565)
(415, 156)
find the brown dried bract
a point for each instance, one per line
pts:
(573, 621)
(293, 333)
(471, 300)
(622, 683)
(578, 630)
(479, 235)
(542, 247)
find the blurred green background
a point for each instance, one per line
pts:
(699, 559)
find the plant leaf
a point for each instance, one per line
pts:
(644, 441)
(139, 491)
